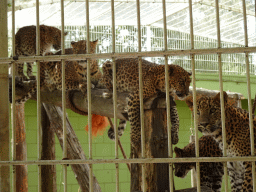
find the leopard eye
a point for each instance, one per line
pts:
(212, 110)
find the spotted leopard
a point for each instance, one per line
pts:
(25, 45)
(211, 172)
(237, 135)
(153, 83)
(75, 73)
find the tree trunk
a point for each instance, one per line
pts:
(21, 150)
(75, 150)
(48, 153)
(156, 146)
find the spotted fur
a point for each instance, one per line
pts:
(211, 172)
(25, 44)
(153, 83)
(75, 73)
(237, 135)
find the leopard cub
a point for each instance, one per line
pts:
(75, 73)
(25, 45)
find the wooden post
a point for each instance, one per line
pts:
(75, 150)
(156, 146)
(21, 150)
(48, 153)
(4, 104)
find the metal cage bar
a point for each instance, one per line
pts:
(113, 55)
(39, 130)
(141, 98)
(210, 51)
(194, 93)
(170, 152)
(115, 92)
(249, 95)
(13, 109)
(63, 69)
(89, 97)
(221, 96)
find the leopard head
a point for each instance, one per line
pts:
(209, 113)
(57, 39)
(182, 169)
(80, 47)
(179, 79)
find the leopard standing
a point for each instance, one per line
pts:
(25, 44)
(211, 172)
(237, 135)
(153, 83)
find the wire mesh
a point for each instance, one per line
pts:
(133, 39)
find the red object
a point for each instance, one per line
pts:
(99, 124)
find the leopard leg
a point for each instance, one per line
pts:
(107, 75)
(121, 127)
(247, 183)
(236, 176)
(30, 71)
(20, 72)
(134, 118)
(28, 95)
(174, 121)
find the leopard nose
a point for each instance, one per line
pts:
(179, 94)
(204, 124)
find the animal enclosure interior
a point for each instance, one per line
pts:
(213, 43)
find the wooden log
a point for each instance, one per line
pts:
(48, 172)
(75, 150)
(156, 146)
(21, 150)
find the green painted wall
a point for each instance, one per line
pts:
(103, 148)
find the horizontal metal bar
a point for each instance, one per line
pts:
(133, 54)
(147, 160)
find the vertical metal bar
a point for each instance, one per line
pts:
(141, 98)
(39, 131)
(4, 97)
(89, 95)
(114, 92)
(249, 95)
(170, 155)
(13, 99)
(63, 69)
(221, 96)
(194, 94)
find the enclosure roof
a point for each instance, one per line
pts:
(151, 14)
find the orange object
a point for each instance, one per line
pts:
(99, 124)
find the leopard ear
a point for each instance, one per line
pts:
(178, 152)
(72, 43)
(189, 73)
(171, 70)
(217, 98)
(96, 41)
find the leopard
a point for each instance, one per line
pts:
(237, 135)
(25, 45)
(211, 173)
(75, 73)
(127, 80)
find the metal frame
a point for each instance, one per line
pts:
(165, 53)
